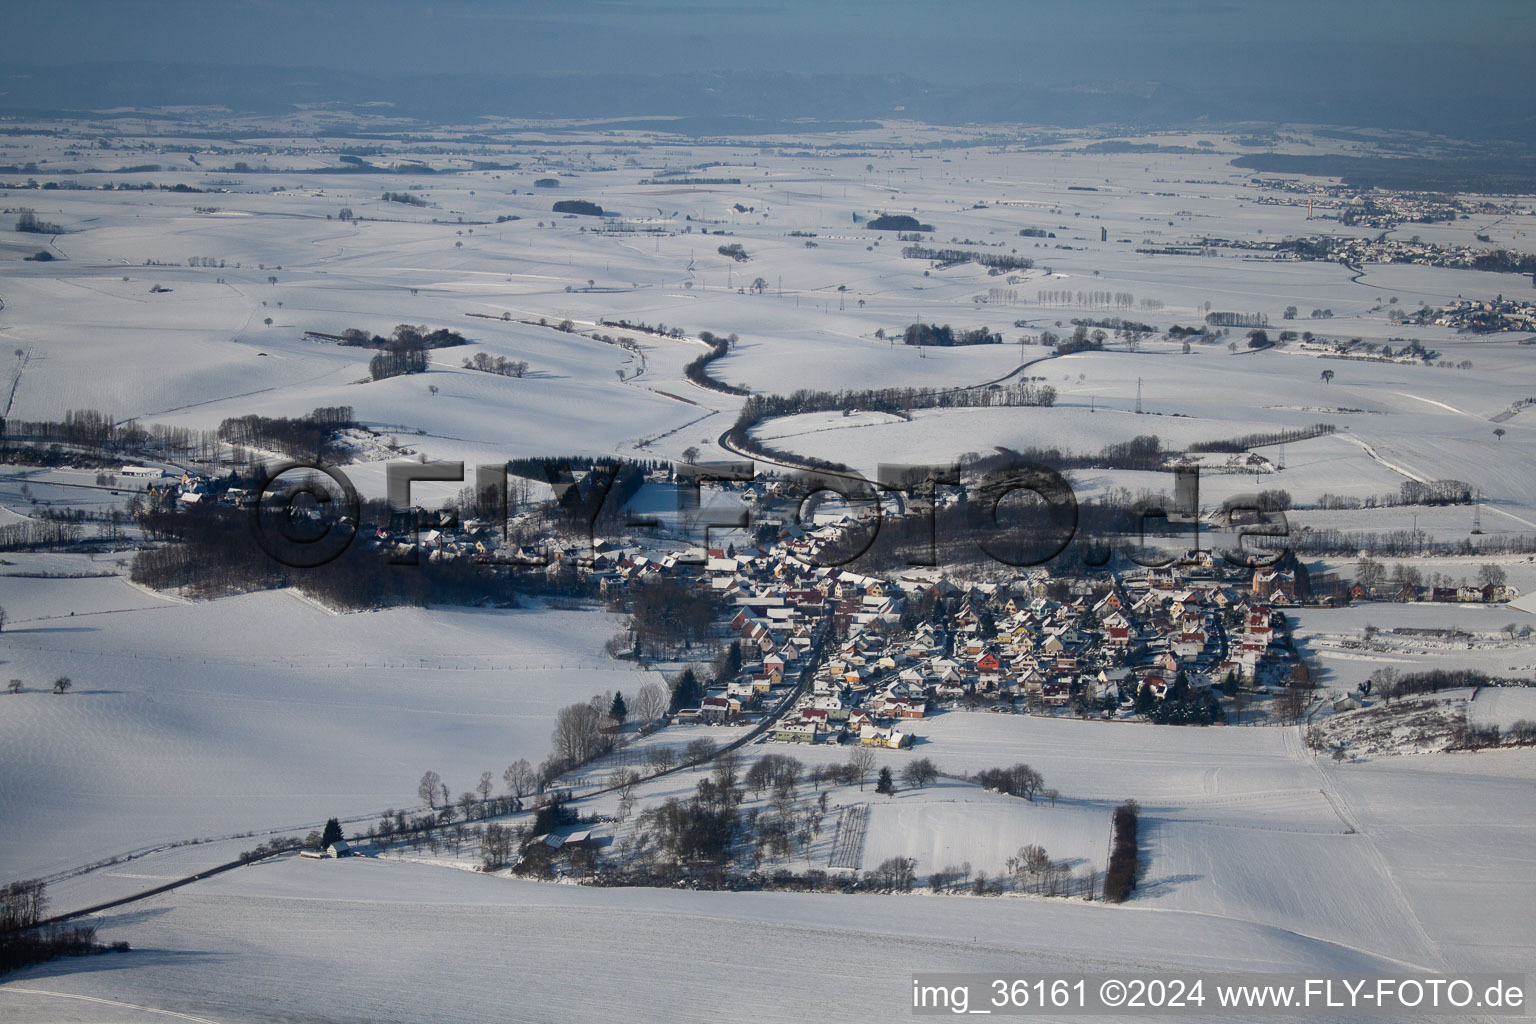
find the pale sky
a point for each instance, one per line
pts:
(1384, 62)
(957, 40)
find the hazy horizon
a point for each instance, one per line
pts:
(1406, 65)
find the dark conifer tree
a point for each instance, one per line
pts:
(686, 692)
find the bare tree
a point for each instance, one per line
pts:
(727, 769)
(62, 684)
(1293, 701)
(1385, 682)
(1369, 573)
(578, 733)
(520, 778)
(1029, 782)
(860, 763)
(650, 702)
(15, 685)
(484, 786)
(427, 790)
(1018, 780)
(895, 874)
(623, 781)
(1029, 864)
(496, 846)
(662, 757)
(919, 773)
(699, 751)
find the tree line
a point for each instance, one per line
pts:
(210, 550)
(311, 437)
(955, 257)
(486, 363)
(943, 336)
(28, 221)
(1227, 319)
(1077, 537)
(1120, 876)
(661, 330)
(667, 613)
(1261, 439)
(90, 428)
(24, 940)
(403, 336)
(896, 401)
(697, 371)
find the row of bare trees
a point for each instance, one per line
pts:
(60, 685)
(487, 363)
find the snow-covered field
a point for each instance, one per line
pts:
(1259, 860)
(1388, 430)
(211, 721)
(190, 721)
(1503, 706)
(812, 325)
(1475, 638)
(382, 941)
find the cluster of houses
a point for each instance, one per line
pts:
(896, 648)
(1092, 649)
(1466, 593)
(442, 538)
(1374, 207)
(189, 488)
(1500, 314)
(1410, 352)
(1472, 594)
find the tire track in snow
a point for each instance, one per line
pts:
(243, 394)
(1438, 405)
(1399, 470)
(1411, 475)
(1294, 747)
(1208, 781)
(105, 1002)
